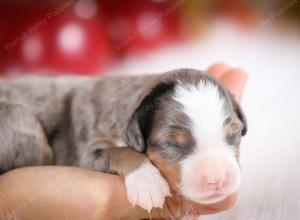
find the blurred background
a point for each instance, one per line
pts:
(97, 37)
(101, 36)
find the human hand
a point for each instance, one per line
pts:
(234, 79)
(74, 193)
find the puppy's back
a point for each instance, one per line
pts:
(33, 90)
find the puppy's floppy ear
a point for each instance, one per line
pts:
(238, 110)
(140, 123)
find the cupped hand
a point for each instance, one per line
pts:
(73, 193)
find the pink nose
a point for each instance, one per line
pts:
(215, 183)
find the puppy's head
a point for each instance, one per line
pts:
(190, 127)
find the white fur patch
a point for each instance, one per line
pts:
(146, 187)
(211, 173)
(204, 105)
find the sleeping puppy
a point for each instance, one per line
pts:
(180, 130)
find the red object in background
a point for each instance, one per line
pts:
(81, 36)
(141, 25)
(49, 36)
(78, 46)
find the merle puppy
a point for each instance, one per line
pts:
(179, 130)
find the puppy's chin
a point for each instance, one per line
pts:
(214, 198)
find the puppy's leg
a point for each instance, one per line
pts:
(144, 184)
(22, 140)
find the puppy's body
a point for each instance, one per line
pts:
(124, 125)
(75, 110)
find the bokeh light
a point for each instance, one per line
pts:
(71, 38)
(32, 48)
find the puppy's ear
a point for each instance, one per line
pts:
(133, 134)
(140, 123)
(238, 110)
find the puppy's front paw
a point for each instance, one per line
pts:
(146, 187)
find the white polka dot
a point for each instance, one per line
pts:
(32, 48)
(149, 25)
(71, 38)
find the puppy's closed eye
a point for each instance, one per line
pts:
(181, 148)
(178, 144)
(173, 151)
(174, 144)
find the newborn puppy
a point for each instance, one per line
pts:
(178, 130)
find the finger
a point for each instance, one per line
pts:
(218, 69)
(235, 80)
(223, 205)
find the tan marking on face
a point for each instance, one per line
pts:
(170, 171)
(180, 136)
(231, 127)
